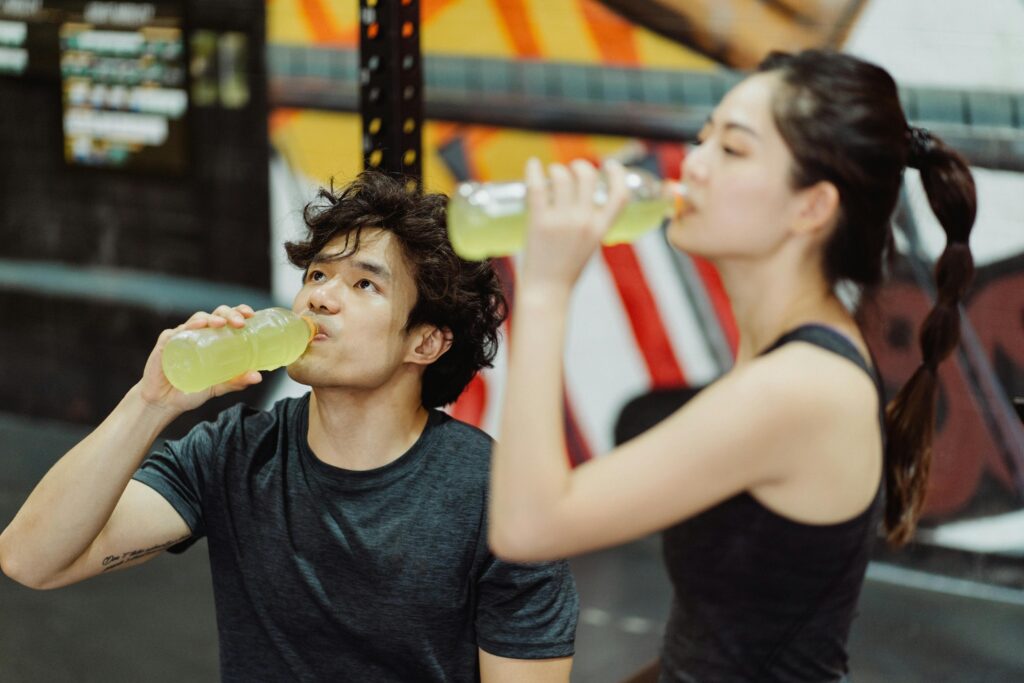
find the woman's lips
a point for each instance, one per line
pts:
(678, 195)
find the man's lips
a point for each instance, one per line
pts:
(322, 332)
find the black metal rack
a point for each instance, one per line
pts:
(391, 87)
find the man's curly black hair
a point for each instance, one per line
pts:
(463, 296)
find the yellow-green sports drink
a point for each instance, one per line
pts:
(489, 219)
(196, 359)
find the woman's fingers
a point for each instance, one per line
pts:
(586, 184)
(565, 221)
(618, 190)
(564, 201)
(566, 194)
(562, 191)
(536, 186)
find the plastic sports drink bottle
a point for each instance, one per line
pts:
(196, 359)
(489, 219)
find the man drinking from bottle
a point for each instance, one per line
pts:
(346, 528)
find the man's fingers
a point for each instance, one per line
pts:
(167, 334)
(221, 316)
(233, 316)
(199, 320)
(238, 383)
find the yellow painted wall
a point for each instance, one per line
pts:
(322, 145)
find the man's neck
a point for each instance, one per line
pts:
(359, 430)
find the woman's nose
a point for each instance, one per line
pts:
(694, 169)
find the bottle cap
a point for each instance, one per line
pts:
(678, 194)
(312, 327)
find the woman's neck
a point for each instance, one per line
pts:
(768, 300)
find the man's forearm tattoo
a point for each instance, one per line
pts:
(113, 561)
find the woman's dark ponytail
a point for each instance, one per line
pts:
(842, 119)
(910, 416)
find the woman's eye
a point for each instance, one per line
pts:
(731, 151)
(365, 284)
(315, 275)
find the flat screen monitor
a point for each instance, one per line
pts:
(123, 84)
(28, 38)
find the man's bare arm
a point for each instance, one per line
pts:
(73, 503)
(495, 669)
(86, 515)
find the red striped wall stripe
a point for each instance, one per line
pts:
(719, 301)
(644, 318)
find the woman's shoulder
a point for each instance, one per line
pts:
(803, 371)
(828, 451)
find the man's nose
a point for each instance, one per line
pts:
(325, 298)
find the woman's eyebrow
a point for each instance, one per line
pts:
(730, 125)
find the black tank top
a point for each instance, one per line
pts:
(759, 597)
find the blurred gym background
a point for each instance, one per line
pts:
(155, 155)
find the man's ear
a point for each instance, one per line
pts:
(429, 344)
(819, 209)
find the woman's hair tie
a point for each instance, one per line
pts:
(920, 145)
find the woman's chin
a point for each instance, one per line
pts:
(680, 236)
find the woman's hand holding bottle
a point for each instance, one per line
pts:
(566, 223)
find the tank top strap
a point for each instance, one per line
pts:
(833, 340)
(824, 337)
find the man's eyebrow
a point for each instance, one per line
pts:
(378, 269)
(373, 267)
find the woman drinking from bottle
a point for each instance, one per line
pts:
(768, 485)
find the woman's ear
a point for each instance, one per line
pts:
(819, 208)
(429, 344)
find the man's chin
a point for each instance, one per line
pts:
(299, 374)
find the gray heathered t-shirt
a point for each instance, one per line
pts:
(325, 574)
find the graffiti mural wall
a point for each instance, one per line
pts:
(657, 322)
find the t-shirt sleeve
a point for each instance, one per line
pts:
(180, 470)
(527, 611)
